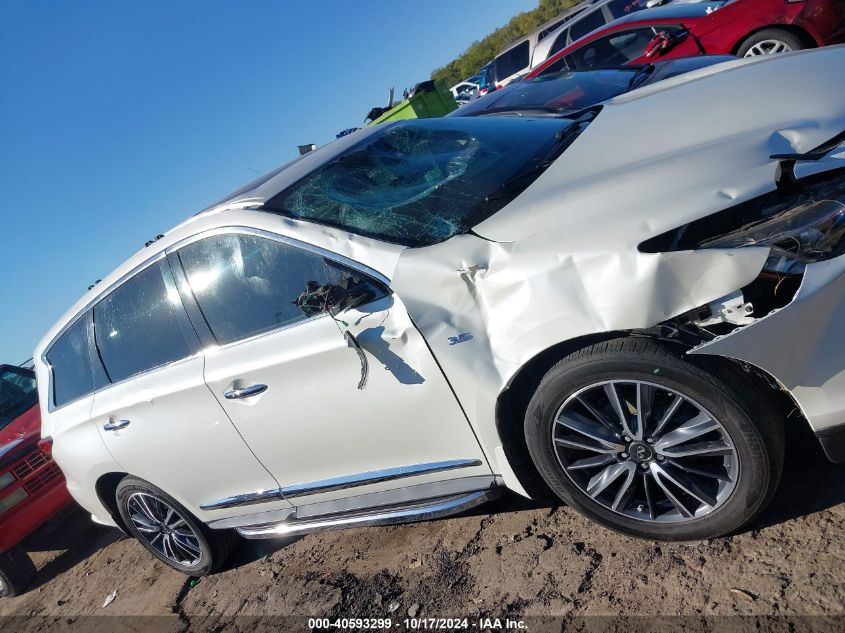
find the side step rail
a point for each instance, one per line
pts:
(420, 511)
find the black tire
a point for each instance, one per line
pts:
(16, 572)
(748, 414)
(774, 35)
(214, 545)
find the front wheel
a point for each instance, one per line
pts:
(769, 42)
(169, 531)
(646, 442)
(16, 572)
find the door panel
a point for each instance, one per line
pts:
(157, 418)
(313, 424)
(179, 438)
(288, 375)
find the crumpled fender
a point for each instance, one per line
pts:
(801, 345)
(486, 308)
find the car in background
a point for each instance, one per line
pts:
(485, 79)
(530, 50)
(746, 28)
(32, 488)
(467, 85)
(570, 90)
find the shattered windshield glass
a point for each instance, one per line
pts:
(420, 182)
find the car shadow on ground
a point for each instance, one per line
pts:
(72, 533)
(810, 484)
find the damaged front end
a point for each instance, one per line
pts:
(788, 321)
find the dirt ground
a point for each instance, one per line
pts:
(509, 559)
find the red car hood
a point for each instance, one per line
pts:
(26, 426)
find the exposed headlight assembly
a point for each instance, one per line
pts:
(801, 227)
(808, 232)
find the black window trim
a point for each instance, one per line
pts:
(193, 308)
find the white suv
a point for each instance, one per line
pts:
(403, 323)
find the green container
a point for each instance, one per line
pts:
(425, 105)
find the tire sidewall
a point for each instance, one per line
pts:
(132, 485)
(784, 36)
(753, 474)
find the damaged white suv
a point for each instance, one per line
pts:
(620, 305)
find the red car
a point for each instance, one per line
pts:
(745, 28)
(32, 488)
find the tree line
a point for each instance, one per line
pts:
(482, 51)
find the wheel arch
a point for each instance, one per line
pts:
(513, 400)
(805, 36)
(106, 488)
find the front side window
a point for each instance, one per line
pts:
(512, 61)
(70, 363)
(616, 49)
(136, 326)
(18, 394)
(586, 24)
(246, 285)
(422, 181)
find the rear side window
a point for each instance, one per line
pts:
(71, 365)
(513, 61)
(586, 24)
(246, 285)
(136, 326)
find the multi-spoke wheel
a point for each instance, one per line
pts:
(169, 531)
(646, 442)
(644, 450)
(769, 42)
(164, 528)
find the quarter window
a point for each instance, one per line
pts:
(560, 42)
(136, 326)
(71, 366)
(246, 285)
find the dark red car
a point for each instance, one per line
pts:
(745, 28)
(32, 488)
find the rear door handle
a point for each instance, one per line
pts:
(116, 425)
(244, 392)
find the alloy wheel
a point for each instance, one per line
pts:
(164, 528)
(645, 451)
(768, 47)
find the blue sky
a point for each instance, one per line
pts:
(120, 119)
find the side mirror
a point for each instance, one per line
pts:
(663, 41)
(659, 43)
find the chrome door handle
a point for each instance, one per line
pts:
(244, 392)
(116, 426)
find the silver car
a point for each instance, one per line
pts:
(618, 307)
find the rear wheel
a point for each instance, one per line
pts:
(648, 443)
(169, 531)
(769, 42)
(16, 572)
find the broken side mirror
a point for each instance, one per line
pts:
(662, 42)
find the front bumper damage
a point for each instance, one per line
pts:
(802, 346)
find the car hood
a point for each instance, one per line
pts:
(23, 428)
(681, 149)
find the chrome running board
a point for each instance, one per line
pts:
(420, 511)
